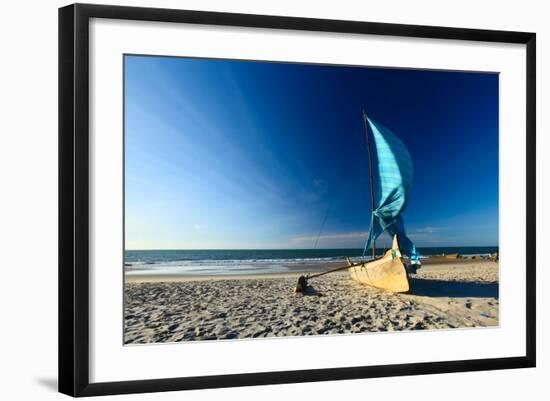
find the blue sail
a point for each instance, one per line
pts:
(393, 175)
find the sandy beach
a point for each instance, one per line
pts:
(444, 294)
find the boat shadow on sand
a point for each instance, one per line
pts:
(453, 289)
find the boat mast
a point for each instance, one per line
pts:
(371, 180)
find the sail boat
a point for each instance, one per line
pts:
(391, 172)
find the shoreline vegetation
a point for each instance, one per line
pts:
(448, 292)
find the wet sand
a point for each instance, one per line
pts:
(444, 294)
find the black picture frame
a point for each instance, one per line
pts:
(74, 198)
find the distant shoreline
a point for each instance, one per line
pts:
(144, 274)
(294, 249)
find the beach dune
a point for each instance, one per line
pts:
(444, 295)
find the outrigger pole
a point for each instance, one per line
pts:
(302, 280)
(371, 180)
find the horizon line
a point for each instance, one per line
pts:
(296, 249)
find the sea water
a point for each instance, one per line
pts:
(258, 261)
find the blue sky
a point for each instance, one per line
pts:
(239, 154)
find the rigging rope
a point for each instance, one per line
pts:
(321, 229)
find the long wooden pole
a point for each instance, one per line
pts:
(371, 180)
(350, 265)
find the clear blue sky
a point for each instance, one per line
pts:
(235, 154)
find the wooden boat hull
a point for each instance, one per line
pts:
(387, 273)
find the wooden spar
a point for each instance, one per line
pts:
(371, 181)
(302, 285)
(349, 265)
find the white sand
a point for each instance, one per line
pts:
(444, 295)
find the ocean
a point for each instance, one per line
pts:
(257, 261)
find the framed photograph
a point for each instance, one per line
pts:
(249, 199)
